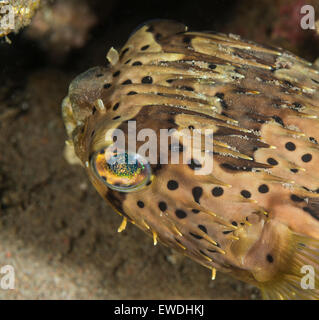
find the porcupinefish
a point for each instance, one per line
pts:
(255, 215)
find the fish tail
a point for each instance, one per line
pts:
(299, 277)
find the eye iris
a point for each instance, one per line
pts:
(123, 172)
(123, 168)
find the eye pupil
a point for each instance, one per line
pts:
(126, 166)
(123, 172)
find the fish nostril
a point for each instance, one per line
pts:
(107, 86)
(270, 258)
(140, 204)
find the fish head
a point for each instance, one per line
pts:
(145, 135)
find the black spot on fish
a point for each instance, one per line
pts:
(270, 258)
(222, 101)
(187, 39)
(219, 95)
(278, 120)
(245, 193)
(306, 157)
(217, 191)
(272, 161)
(162, 206)
(172, 185)
(197, 193)
(194, 164)
(140, 204)
(297, 105)
(203, 228)
(187, 88)
(196, 236)
(290, 146)
(123, 52)
(263, 188)
(180, 214)
(147, 80)
(312, 139)
(295, 198)
(128, 81)
(131, 93)
(145, 47)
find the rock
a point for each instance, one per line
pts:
(16, 14)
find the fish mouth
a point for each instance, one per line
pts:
(84, 91)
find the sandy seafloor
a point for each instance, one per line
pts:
(55, 230)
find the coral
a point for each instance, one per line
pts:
(16, 14)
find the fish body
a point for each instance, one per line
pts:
(255, 215)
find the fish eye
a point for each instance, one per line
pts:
(121, 171)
